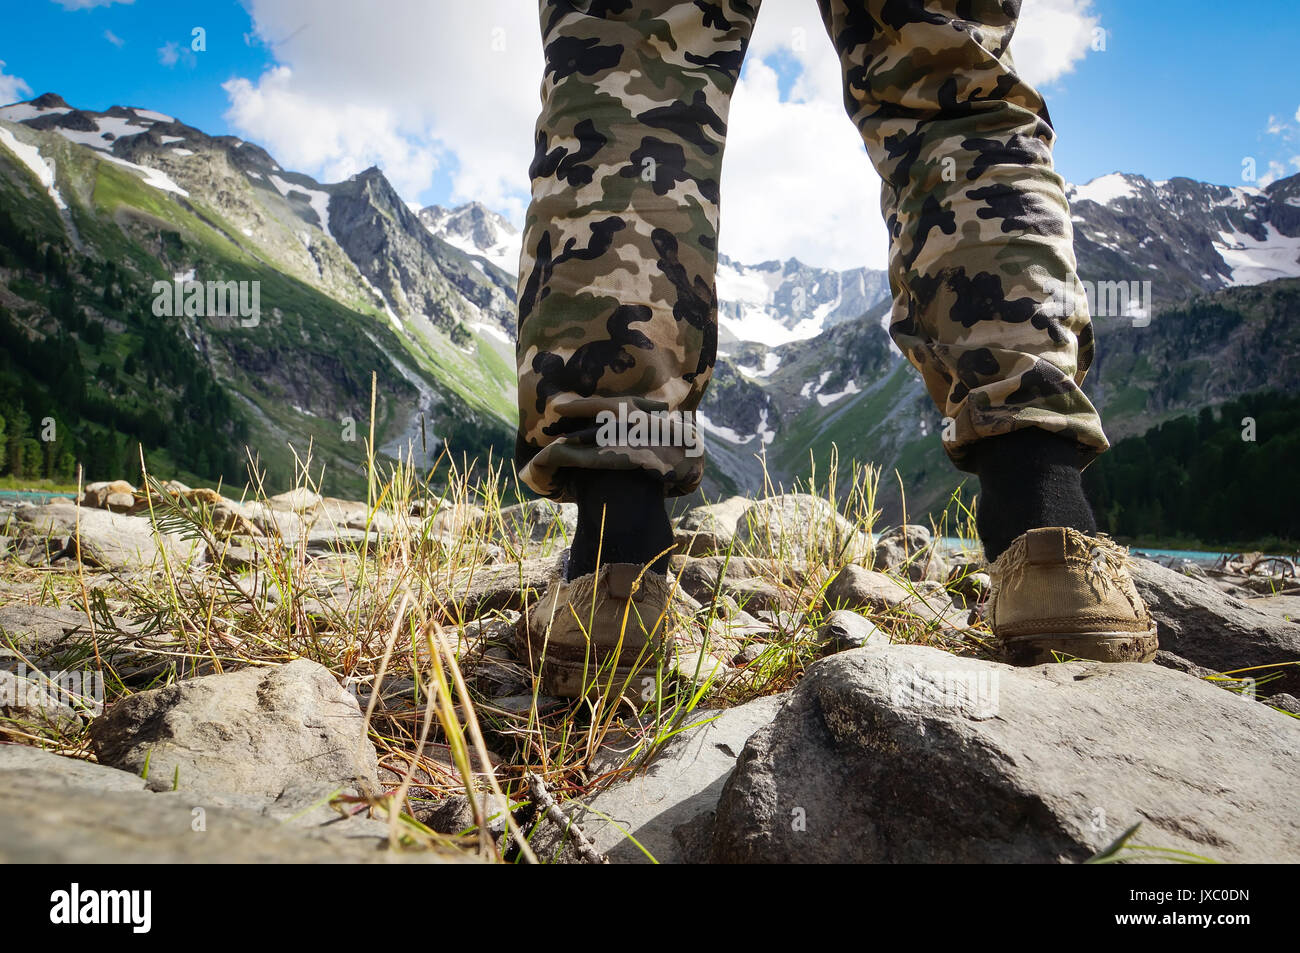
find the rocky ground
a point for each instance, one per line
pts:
(185, 677)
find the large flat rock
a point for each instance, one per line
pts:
(909, 754)
(107, 540)
(667, 806)
(57, 810)
(258, 731)
(1204, 625)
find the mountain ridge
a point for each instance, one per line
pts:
(804, 362)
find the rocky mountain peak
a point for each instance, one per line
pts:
(49, 101)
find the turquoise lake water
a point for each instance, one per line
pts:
(33, 496)
(1208, 557)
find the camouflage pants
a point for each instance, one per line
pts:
(616, 281)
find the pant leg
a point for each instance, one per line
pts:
(616, 294)
(981, 247)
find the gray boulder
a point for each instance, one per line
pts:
(909, 551)
(536, 521)
(59, 810)
(796, 527)
(668, 806)
(108, 540)
(746, 581)
(298, 500)
(478, 590)
(710, 528)
(37, 701)
(1197, 621)
(255, 731)
(909, 754)
(55, 639)
(843, 630)
(857, 588)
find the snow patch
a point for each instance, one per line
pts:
(770, 363)
(1253, 261)
(178, 151)
(119, 127)
(827, 399)
(154, 177)
(756, 324)
(20, 111)
(319, 200)
(1104, 190)
(30, 156)
(726, 433)
(504, 254)
(495, 330)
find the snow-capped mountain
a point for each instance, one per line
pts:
(1187, 237)
(402, 269)
(1221, 263)
(477, 231)
(426, 297)
(350, 282)
(775, 302)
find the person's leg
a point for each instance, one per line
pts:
(981, 260)
(980, 239)
(616, 294)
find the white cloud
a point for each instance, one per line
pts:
(400, 90)
(12, 88)
(797, 182)
(426, 87)
(89, 4)
(114, 38)
(1276, 170)
(332, 139)
(1053, 36)
(171, 53)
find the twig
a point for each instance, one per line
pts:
(581, 843)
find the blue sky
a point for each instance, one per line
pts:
(1180, 89)
(67, 52)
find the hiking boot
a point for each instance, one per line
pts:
(1056, 590)
(608, 644)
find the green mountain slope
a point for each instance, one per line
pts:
(200, 391)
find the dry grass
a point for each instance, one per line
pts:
(448, 705)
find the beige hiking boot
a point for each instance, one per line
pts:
(1056, 590)
(602, 633)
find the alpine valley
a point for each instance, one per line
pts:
(1199, 287)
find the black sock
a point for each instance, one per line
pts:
(636, 520)
(1028, 478)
